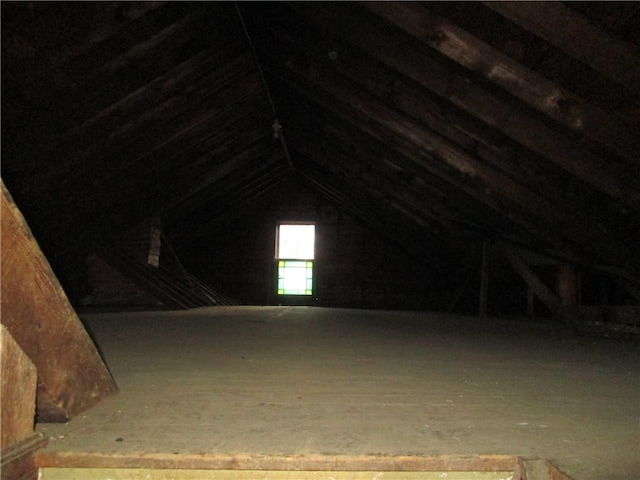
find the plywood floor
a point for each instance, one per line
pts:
(307, 381)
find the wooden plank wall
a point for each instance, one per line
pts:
(36, 311)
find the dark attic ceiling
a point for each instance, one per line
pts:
(436, 122)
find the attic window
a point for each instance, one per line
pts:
(295, 250)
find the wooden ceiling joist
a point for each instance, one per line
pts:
(69, 91)
(520, 164)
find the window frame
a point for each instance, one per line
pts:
(310, 262)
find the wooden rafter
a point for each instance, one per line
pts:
(224, 199)
(549, 98)
(432, 151)
(161, 112)
(382, 219)
(573, 33)
(620, 183)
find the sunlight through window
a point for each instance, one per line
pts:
(295, 250)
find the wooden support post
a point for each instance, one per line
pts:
(530, 302)
(566, 286)
(565, 312)
(484, 280)
(37, 313)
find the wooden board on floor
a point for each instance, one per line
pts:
(135, 473)
(301, 467)
(248, 461)
(36, 311)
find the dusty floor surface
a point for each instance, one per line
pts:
(304, 380)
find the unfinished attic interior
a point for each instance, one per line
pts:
(467, 175)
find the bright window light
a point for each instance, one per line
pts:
(295, 277)
(296, 242)
(295, 251)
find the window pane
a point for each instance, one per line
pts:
(295, 278)
(296, 241)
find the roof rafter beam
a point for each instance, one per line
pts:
(538, 92)
(619, 183)
(344, 149)
(382, 220)
(107, 141)
(222, 200)
(574, 34)
(387, 190)
(534, 213)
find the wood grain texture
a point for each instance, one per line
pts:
(19, 378)
(18, 459)
(35, 310)
(196, 474)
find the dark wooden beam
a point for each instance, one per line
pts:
(167, 164)
(567, 313)
(74, 72)
(353, 102)
(35, 310)
(342, 146)
(616, 180)
(160, 111)
(567, 284)
(107, 29)
(249, 159)
(390, 185)
(545, 96)
(577, 36)
(382, 219)
(193, 217)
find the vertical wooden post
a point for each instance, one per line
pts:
(566, 285)
(568, 313)
(484, 280)
(530, 302)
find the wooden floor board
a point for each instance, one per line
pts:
(149, 474)
(304, 382)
